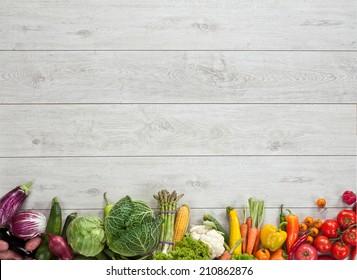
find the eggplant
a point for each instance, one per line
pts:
(11, 202)
(15, 244)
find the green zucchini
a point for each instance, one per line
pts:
(54, 225)
(68, 220)
(208, 217)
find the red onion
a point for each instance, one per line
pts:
(59, 247)
(11, 202)
(28, 224)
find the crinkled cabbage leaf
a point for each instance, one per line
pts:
(131, 228)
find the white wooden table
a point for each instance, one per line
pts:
(220, 100)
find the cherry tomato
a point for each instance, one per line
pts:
(318, 223)
(303, 227)
(350, 237)
(321, 203)
(322, 244)
(310, 239)
(309, 221)
(262, 254)
(314, 231)
(329, 228)
(340, 251)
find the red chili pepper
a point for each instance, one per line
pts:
(349, 197)
(297, 243)
(292, 229)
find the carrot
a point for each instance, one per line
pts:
(256, 208)
(257, 242)
(249, 222)
(227, 255)
(244, 230)
(252, 236)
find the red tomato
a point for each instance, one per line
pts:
(322, 244)
(306, 252)
(345, 218)
(350, 237)
(329, 228)
(340, 251)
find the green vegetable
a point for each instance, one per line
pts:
(108, 206)
(86, 235)
(131, 228)
(186, 249)
(208, 217)
(243, 257)
(69, 219)
(167, 205)
(54, 225)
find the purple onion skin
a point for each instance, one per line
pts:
(28, 224)
(11, 202)
(59, 247)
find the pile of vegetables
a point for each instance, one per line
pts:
(131, 229)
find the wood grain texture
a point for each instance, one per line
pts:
(207, 182)
(178, 77)
(172, 25)
(156, 130)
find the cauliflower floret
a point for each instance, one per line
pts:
(213, 238)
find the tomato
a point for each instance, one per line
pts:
(340, 251)
(329, 228)
(306, 252)
(303, 227)
(321, 203)
(262, 254)
(310, 239)
(309, 221)
(322, 244)
(278, 255)
(345, 218)
(350, 237)
(314, 231)
(318, 223)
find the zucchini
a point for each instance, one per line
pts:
(208, 217)
(68, 220)
(54, 225)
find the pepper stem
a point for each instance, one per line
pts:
(26, 188)
(106, 199)
(281, 224)
(290, 212)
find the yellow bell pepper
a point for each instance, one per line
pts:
(273, 237)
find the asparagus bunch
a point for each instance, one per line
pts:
(167, 212)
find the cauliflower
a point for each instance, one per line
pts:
(213, 238)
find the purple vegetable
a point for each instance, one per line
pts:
(28, 224)
(59, 247)
(11, 202)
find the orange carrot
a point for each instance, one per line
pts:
(227, 255)
(257, 242)
(249, 222)
(256, 208)
(252, 236)
(244, 230)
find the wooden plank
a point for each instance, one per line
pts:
(178, 77)
(172, 25)
(137, 130)
(207, 182)
(271, 214)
